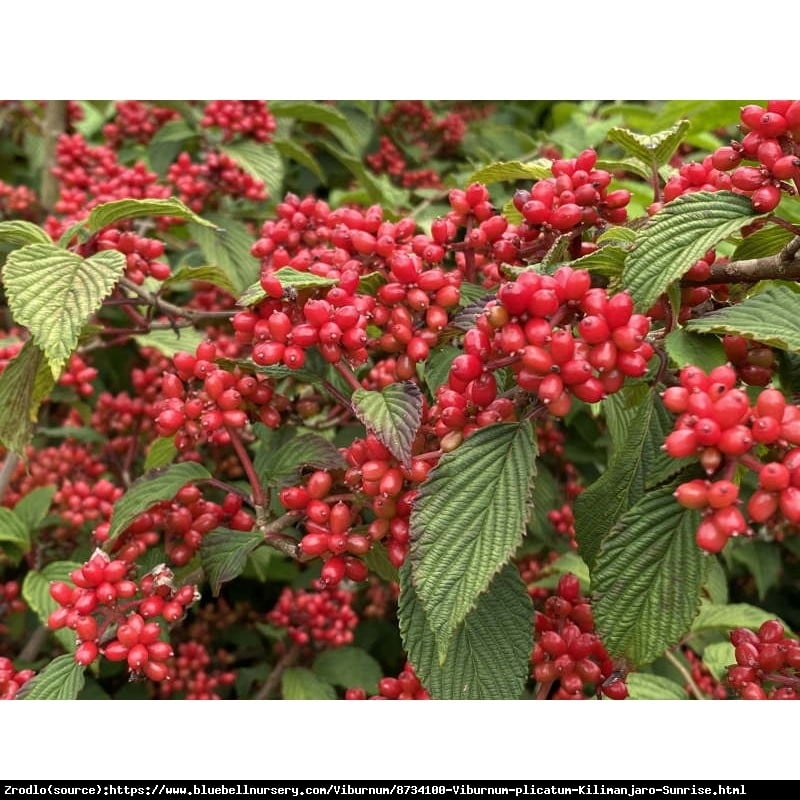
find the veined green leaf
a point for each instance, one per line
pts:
(117, 210)
(224, 552)
(61, 679)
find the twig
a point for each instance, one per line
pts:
(34, 644)
(686, 675)
(55, 121)
(171, 309)
(781, 266)
(7, 470)
(274, 678)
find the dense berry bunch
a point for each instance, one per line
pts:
(192, 676)
(754, 362)
(17, 202)
(320, 618)
(136, 121)
(240, 118)
(702, 677)
(767, 663)
(11, 681)
(717, 423)
(108, 612)
(406, 686)
(569, 660)
(760, 165)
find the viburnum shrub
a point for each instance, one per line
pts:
(306, 400)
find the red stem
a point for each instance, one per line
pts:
(348, 375)
(259, 499)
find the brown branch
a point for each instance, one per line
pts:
(7, 470)
(159, 304)
(55, 122)
(782, 266)
(274, 678)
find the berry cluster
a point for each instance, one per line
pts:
(141, 254)
(559, 336)
(567, 655)
(108, 612)
(406, 686)
(767, 663)
(12, 681)
(320, 618)
(240, 118)
(135, 121)
(190, 676)
(753, 361)
(17, 202)
(768, 149)
(702, 677)
(717, 422)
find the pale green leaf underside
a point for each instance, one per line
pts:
(261, 161)
(652, 149)
(679, 235)
(298, 683)
(513, 171)
(151, 489)
(770, 317)
(468, 520)
(21, 233)
(210, 273)
(33, 507)
(642, 686)
(685, 347)
(108, 213)
(53, 292)
(647, 578)
(718, 656)
(731, 616)
(13, 530)
(350, 668)
(393, 415)
(61, 679)
(489, 656)
(224, 552)
(168, 342)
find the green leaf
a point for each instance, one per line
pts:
(647, 578)
(209, 274)
(282, 467)
(718, 656)
(763, 561)
(510, 212)
(223, 554)
(14, 530)
(168, 342)
(393, 415)
(228, 247)
(370, 283)
(33, 507)
(322, 114)
(293, 151)
(769, 317)
(298, 683)
(53, 293)
(117, 210)
(634, 165)
(261, 161)
(288, 276)
(36, 593)
(24, 383)
(679, 235)
(716, 585)
(468, 520)
(162, 484)
(642, 686)
(489, 656)
(21, 233)
(685, 347)
(617, 234)
(761, 244)
(513, 171)
(378, 563)
(624, 482)
(731, 616)
(160, 453)
(71, 432)
(350, 668)
(608, 261)
(167, 143)
(567, 563)
(61, 679)
(655, 149)
(251, 296)
(437, 366)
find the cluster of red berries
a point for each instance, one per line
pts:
(246, 118)
(181, 523)
(753, 361)
(17, 202)
(108, 612)
(90, 175)
(136, 121)
(201, 185)
(192, 676)
(532, 568)
(12, 681)
(322, 617)
(559, 336)
(569, 660)
(218, 406)
(390, 160)
(702, 677)
(141, 253)
(769, 149)
(767, 663)
(406, 686)
(717, 423)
